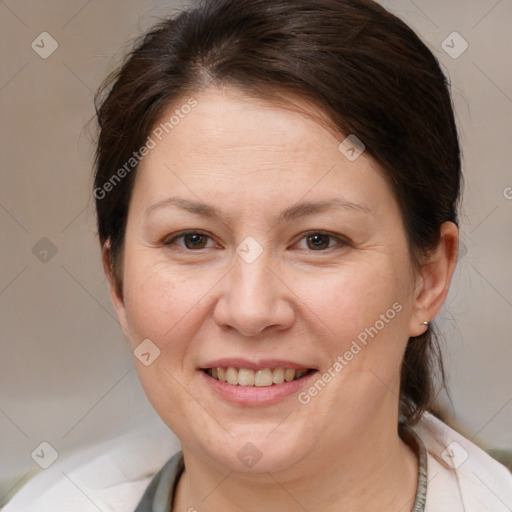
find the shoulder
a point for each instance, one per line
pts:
(110, 476)
(461, 476)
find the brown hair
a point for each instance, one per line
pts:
(360, 64)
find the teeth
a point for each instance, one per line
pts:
(221, 374)
(289, 375)
(278, 376)
(263, 378)
(246, 377)
(260, 378)
(232, 375)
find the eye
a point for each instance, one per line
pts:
(192, 240)
(195, 240)
(319, 241)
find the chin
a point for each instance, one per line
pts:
(253, 450)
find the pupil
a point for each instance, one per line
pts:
(317, 240)
(195, 239)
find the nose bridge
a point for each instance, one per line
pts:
(251, 287)
(253, 298)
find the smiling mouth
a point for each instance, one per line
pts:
(264, 377)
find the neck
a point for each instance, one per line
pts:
(377, 471)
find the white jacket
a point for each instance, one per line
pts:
(113, 475)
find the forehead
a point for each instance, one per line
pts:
(229, 141)
(228, 120)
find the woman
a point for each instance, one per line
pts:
(277, 185)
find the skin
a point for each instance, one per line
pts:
(251, 160)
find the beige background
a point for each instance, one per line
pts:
(67, 376)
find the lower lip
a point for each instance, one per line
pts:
(253, 395)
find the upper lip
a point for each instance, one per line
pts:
(258, 364)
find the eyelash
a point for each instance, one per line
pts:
(168, 243)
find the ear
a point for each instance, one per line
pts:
(434, 280)
(116, 295)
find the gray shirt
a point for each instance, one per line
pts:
(159, 494)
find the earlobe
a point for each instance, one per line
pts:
(435, 278)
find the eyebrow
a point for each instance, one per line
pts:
(292, 213)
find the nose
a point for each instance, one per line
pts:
(254, 298)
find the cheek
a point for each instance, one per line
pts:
(154, 299)
(363, 316)
(164, 305)
(352, 299)
(161, 307)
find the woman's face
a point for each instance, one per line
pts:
(295, 258)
